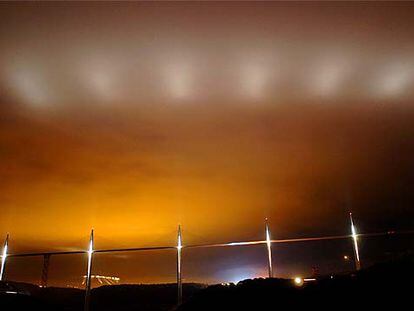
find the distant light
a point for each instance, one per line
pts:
(298, 281)
(237, 274)
(239, 278)
(309, 280)
(346, 257)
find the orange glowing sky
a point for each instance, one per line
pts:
(132, 118)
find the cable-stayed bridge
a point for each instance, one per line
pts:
(353, 235)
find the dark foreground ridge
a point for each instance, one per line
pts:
(383, 285)
(154, 297)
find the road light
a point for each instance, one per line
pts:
(298, 281)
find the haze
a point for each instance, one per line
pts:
(132, 118)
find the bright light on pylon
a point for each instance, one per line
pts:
(179, 280)
(179, 241)
(269, 250)
(90, 250)
(90, 253)
(4, 257)
(88, 274)
(355, 240)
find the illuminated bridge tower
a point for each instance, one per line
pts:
(88, 274)
(355, 241)
(4, 258)
(269, 249)
(179, 279)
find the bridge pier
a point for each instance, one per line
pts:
(45, 270)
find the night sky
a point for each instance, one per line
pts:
(132, 118)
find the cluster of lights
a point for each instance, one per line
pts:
(108, 279)
(103, 277)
